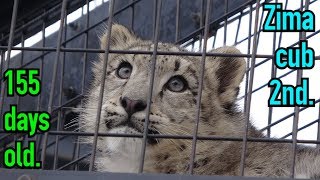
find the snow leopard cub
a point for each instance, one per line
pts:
(173, 112)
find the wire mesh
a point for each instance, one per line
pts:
(54, 147)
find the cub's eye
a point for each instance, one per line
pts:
(177, 84)
(124, 70)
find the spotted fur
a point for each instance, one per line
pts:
(174, 113)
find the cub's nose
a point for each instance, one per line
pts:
(132, 106)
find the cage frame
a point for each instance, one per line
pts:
(60, 49)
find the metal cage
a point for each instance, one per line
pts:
(48, 37)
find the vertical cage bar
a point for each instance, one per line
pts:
(155, 2)
(273, 75)
(248, 102)
(60, 113)
(22, 45)
(83, 81)
(226, 2)
(10, 44)
(177, 20)
(151, 83)
(214, 39)
(260, 26)
(102, 86)
(201, 23)
(192, 46)
(25, 137)
(302, 36)
(200, 88)
(248, 60)
(20, 64)
(275, 72)
(280, 36)
(238, 28)
(295, 129)
(43, 43)
(54, 76)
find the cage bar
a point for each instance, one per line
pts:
(210, 24)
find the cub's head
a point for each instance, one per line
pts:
(174, 95)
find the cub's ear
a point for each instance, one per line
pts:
(229, 72)
(120, 36)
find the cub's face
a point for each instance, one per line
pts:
(127, 87)
(173, 102)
